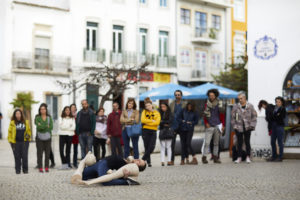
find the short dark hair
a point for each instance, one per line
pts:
(14, 118)
(142, 168)
(178, 91)
(63, 113)
(101, 108)
(261, 103)
(131, 100)
(215, 91)
(280, 99)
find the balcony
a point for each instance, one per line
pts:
(54, 4)
(206, 36)
(215, 3)
(94, 55)
(133, 58)
(27, 62)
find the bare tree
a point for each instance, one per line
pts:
(112, 80)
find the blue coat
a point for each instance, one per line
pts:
(188, 120)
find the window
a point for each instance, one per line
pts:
(118, 38)
(143, 41)
(91, 35)
(185, 16)
(239, 10)
(239, 46)
(42, 52)
(163, 43)
(163, 3)
(52, 102)
(143, 1)
(216, 60)
(185, 56)
(201, 23)
(216, 22)
(201, 62)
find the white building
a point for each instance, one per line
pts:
(274, 59)
(204, 39)
(35, 52)
(43, 41)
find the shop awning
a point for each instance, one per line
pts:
(167, 92)
(225, 93)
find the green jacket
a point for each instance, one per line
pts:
(43, 126)
(93, 121)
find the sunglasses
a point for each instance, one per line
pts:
(177, 95)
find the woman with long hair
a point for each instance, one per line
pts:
(66, 131)
(100, 136)
(19, 135)
(166, 133)
(150, 120)
(188, 118)
(44, 126)
(278, 122)
(129, 117)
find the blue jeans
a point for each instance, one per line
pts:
(135, 144)
(99, 169)
(277, 134)
(86, 141)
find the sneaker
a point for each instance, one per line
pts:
(170, 163)
(278, 160)
(182, 162)
(46, 169)
(162, 164)
(149, 165)
(237, 161)
(41, 170)
(248, 161)
(18, 172)
(204, 161)
(25, 172)
(52, 165)
(271, 159)
(130, 181)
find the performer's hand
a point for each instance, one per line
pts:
(87, 182)
(126, 173)
(108, 141)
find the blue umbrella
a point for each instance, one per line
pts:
(225, 93)
(167, 92)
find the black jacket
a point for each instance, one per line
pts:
(269, 114)
(279, 116)
(166, 119)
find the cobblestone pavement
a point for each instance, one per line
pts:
(258, 180)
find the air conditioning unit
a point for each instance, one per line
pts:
(196, 73)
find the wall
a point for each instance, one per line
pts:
(280, 20)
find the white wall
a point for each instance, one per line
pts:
(278, 19)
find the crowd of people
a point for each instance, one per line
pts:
(94, 131)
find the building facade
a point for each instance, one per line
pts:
(239, 29)
(203, 41)
(49, 41)
(274, 60)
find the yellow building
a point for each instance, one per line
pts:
(239, 29)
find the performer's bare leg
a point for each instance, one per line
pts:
(89, 160)
(127, 170)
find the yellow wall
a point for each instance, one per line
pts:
(238, 26)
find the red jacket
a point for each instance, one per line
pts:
(114, 127)
(221, 115)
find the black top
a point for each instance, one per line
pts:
(244, 107)
(85, 122)
(279, 116)
(20, 130)
(115, 162)
(166, 119)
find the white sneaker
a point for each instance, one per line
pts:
(237, 161)
(248, 161)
